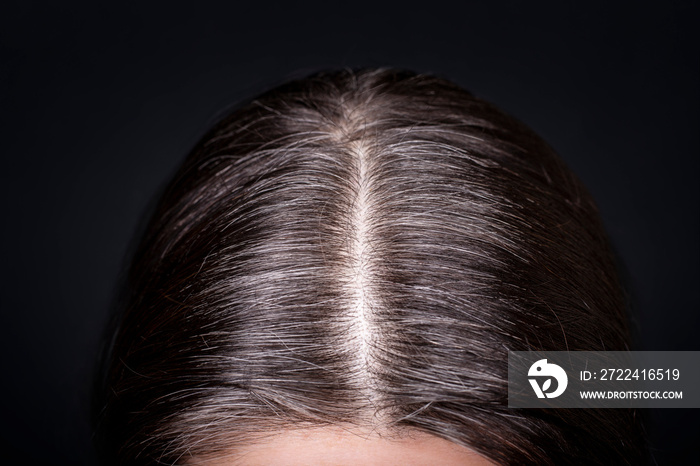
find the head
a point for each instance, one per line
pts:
(351, 256)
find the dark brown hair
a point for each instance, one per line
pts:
(364, 247)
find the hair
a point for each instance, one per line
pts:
(363, 248)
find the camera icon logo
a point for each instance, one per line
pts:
(546, 372)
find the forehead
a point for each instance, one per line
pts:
(335, 446)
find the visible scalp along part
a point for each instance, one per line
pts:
(358, 275)
(360, 256)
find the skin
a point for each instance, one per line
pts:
(336, 447)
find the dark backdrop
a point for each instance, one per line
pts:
(100, 103)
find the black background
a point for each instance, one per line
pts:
(100, 103)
